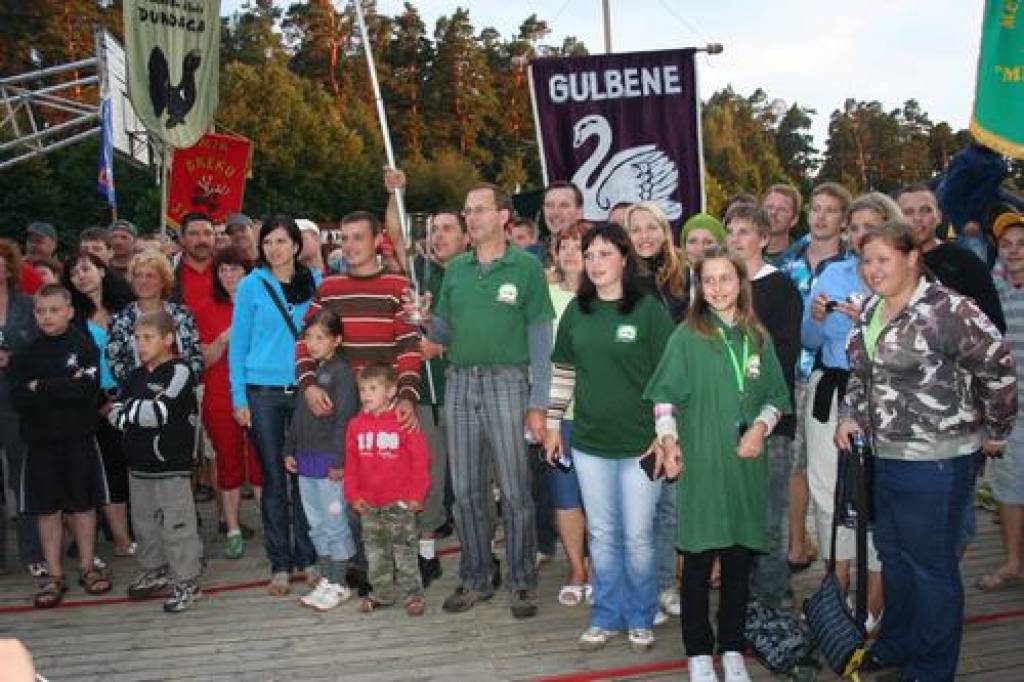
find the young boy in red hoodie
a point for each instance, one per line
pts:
(387, 474)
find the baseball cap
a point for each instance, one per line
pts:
(124, 226)
(1005, 221)
(238, 219)
(306, 225)
(43, 229)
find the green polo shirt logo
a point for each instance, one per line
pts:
(625, 333)
(508, 294)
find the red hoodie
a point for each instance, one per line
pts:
(383, 463)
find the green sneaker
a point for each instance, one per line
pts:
(235, 547)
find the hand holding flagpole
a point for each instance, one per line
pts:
(389, 152)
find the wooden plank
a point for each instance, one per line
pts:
(246, 635)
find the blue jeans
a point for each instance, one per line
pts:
(287, 548)
(324, 504)
(919, 511)
(666, 524)
(620, 502)
(770, 573)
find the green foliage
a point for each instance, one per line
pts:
(296, 83)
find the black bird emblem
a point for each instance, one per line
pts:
(176, 100)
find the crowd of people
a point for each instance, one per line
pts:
(671, 415)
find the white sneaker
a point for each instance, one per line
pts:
(312, 598)
(702, 669)
(595, 638)
(331, 596)
(641, 639)
(660, 618)
(734, 666)
(669, 602)
(872, 623)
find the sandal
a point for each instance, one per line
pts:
(370, 604)
(998, 581)
(95, 581)
(129, 550)
(279, 585)
(572, 595)
(415, 606)
(50, 593)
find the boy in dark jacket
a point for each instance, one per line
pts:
(55, 388)
(157, 412)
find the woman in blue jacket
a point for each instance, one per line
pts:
(269, 307)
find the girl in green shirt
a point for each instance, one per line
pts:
(720, 372)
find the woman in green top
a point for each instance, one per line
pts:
(720, 374)
(609, 341)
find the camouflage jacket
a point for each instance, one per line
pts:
(942, 378)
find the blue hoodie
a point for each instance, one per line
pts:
(262, 349)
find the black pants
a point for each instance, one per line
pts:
(698, 637)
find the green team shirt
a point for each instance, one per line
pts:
(489, 312)
(614, 355)
(720, 497)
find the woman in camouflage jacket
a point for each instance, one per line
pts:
(933, 384)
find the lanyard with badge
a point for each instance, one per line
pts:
(739, 373)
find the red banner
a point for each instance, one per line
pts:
(209, 177)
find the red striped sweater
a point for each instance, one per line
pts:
(372, 326)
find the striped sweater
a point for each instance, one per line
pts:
(372, 326)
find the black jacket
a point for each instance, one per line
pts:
(157, 411)
(62, 407)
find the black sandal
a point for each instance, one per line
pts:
(95, 581)
(51, 592)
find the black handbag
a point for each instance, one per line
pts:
(836, 632)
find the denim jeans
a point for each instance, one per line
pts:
(287, 541)
(919, 511)
(324, 503)
(666, 524)
(544, 511)
(620, 501)
(770, 573)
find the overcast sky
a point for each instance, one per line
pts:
(814, 52)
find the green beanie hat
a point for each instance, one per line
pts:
(704, 221)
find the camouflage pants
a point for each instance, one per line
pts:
(392, 545)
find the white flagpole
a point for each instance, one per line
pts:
(389, 152)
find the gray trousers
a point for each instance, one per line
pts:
(164, 520)
(770, 574)
(485, 416)
(433, 514)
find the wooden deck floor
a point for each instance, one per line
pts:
(238, 633)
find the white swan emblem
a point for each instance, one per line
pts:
(643, 173)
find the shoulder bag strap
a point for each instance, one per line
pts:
(279, 304)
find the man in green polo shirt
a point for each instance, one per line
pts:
(494, 314)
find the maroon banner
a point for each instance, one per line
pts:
(208, 177)
(622, 127)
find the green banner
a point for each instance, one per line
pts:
(172, 49)
(998, 120)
